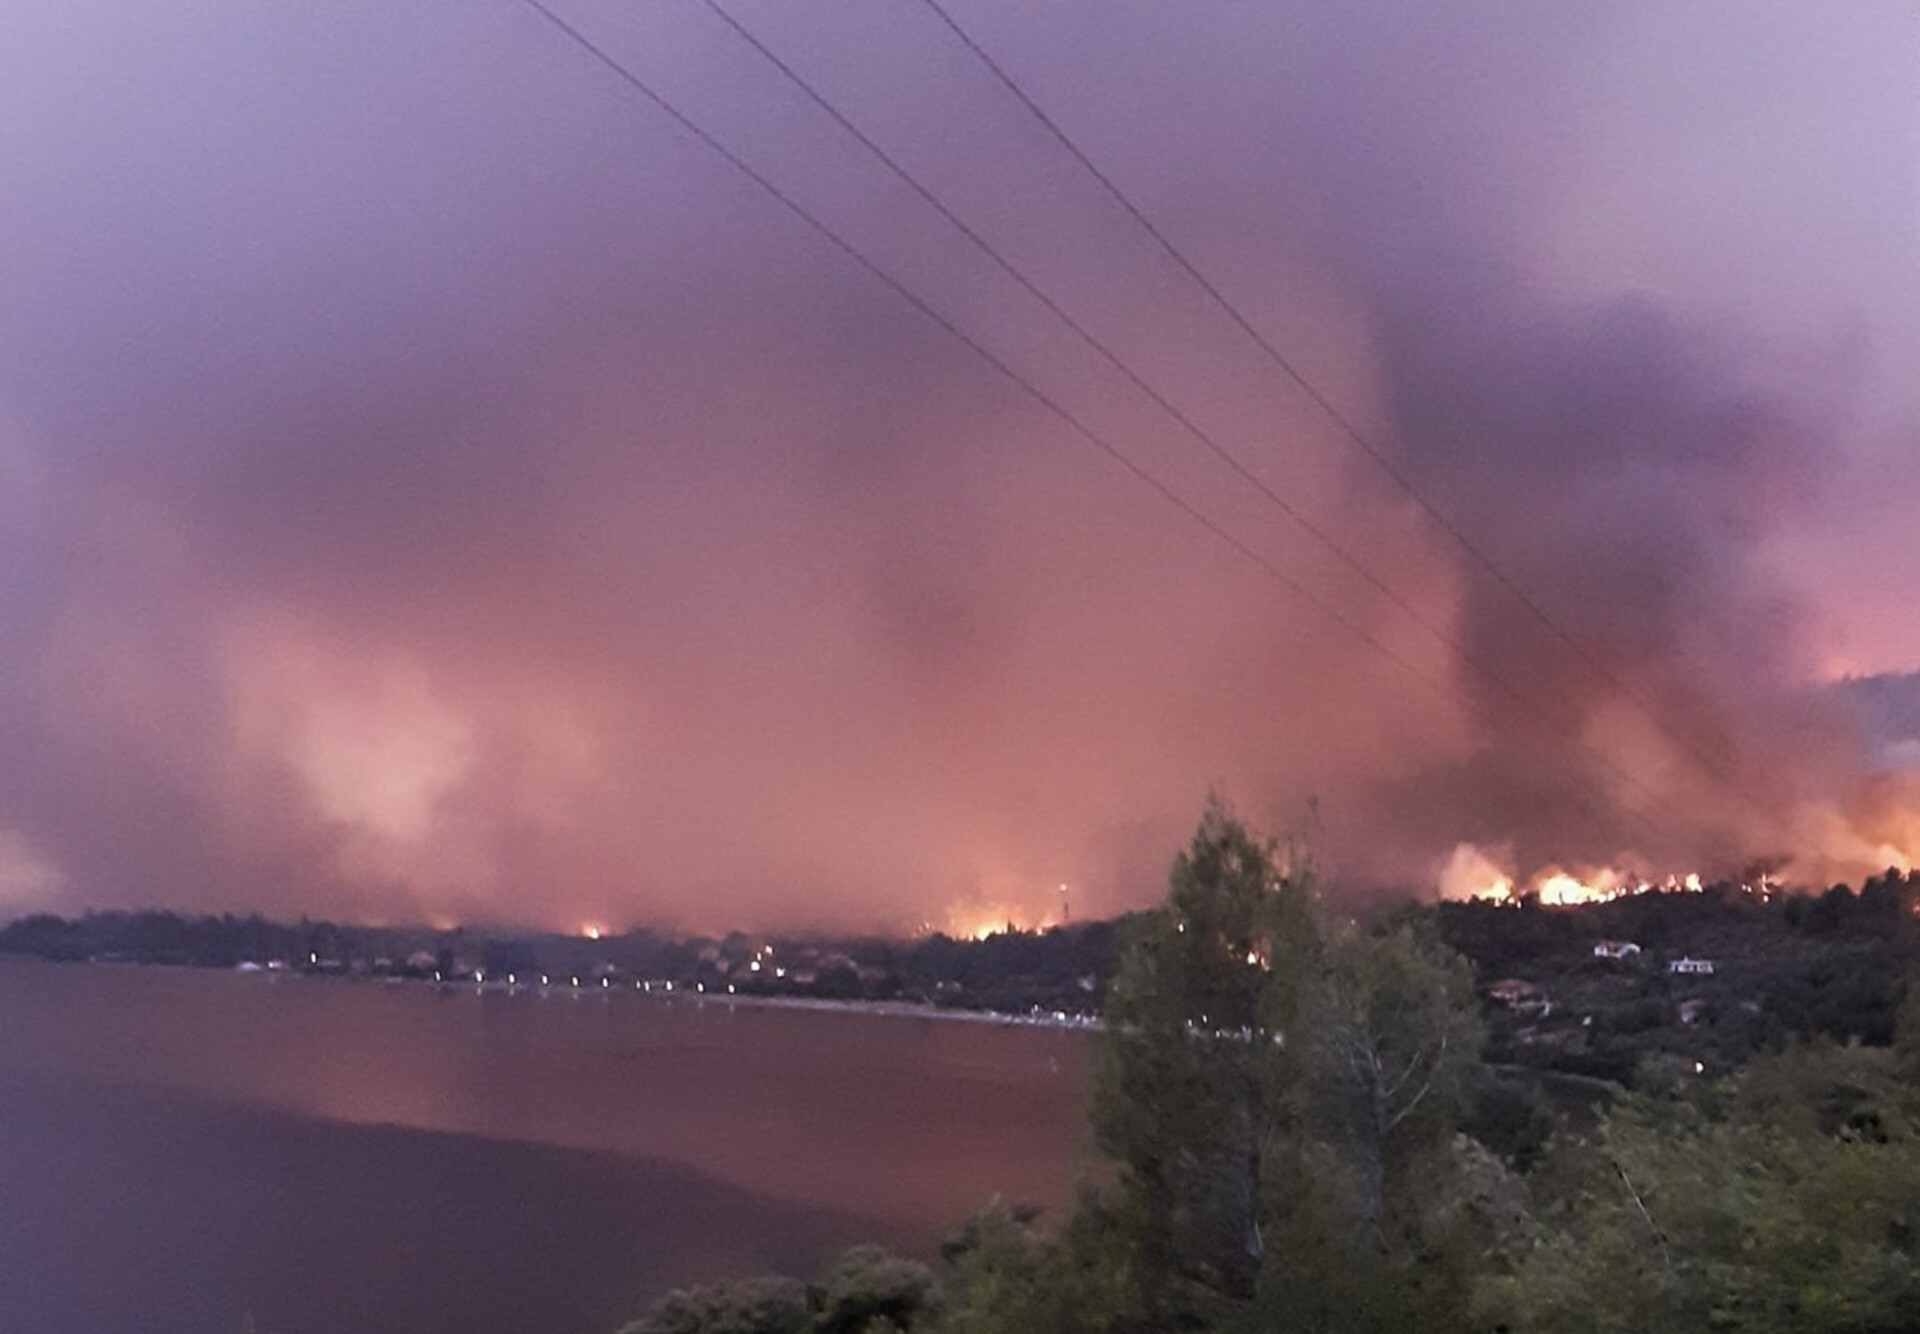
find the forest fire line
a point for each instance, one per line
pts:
(981, 917)
(1561, 889)
(972, 922)
(1471, 874)
(1874, 830)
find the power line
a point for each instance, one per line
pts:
(1346, 426)
(974, 345)
(1040, 396)
(1185, 421)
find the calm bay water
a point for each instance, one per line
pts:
(193, 1151)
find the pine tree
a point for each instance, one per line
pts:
(1281, 1094)
(1199, 1068)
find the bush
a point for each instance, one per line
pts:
(747, 1306)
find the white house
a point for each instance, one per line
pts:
(1684, 964)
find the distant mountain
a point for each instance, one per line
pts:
(1889, 709)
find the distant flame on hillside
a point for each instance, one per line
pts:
(1562, 889)
(1471, 873)
(974, 921)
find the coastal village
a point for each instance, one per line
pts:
(1697, 978)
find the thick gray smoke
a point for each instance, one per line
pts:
(1616, 469)
(433, 485)
(1620, 462)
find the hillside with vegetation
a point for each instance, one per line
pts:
(1063, 971)
(1673, 1111)
(1711, 978)
(1317, 1124)
(1785, 966)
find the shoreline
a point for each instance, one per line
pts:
(668, 994)
(880, 1009)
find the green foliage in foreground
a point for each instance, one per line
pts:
(866, 1291)
(1785, 1199)
(745, 1306)
(1291, 1104)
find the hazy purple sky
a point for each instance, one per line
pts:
(433, 484)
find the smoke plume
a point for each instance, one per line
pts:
(433, 485)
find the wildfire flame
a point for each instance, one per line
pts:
(976, 921)
(1470, 873)
(1870, 829)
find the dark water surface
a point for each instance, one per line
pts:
(193, 1151)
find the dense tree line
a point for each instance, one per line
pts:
(1786, 967)
(161, 937)
(1060, 969)
(1303, 1135)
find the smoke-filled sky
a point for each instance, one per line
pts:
(435, 485)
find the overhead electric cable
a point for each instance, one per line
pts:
(1346, 426)
(1182, 418)
(1040, 396)
(1106, 353)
